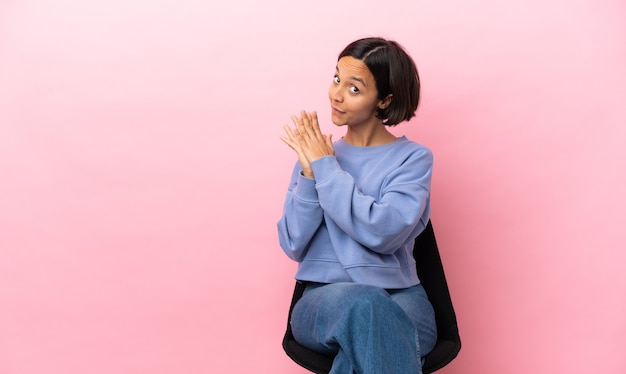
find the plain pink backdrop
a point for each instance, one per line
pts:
(142, 175)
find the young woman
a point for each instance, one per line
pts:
(352, 212)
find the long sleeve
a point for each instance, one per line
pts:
(302, 216)
(382, 219)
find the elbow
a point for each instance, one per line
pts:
(389, 241)
(294, 252)
(384, 244)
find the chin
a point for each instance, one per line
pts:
(337, 121)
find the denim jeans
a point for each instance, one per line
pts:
(370, 330)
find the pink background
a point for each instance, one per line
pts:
(141, 177)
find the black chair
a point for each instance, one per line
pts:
(431, 274)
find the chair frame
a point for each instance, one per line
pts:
(432, 276)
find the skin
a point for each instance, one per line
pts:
(354, 101)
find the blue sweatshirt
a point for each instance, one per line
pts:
(358, 219)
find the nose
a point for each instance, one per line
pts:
(334, 93)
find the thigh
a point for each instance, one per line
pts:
(316, 316)
(415, 303)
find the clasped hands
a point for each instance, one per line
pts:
(308, 141)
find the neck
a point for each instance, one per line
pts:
(365, 137)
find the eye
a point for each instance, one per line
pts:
(354, 90)
(336, 79)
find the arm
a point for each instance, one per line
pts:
(302, 213)
(384, 222)
(302, 216)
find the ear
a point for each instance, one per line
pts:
(384, 103)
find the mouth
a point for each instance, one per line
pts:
(337, 111)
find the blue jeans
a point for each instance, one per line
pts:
(370, 330)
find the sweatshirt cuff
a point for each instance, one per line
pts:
(324, 167)
(305, 189)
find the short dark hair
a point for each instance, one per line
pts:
(395, 73)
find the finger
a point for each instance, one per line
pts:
(329, 142)
(292, 143)
(306, 123)
(289, 131)
(289, 143)
(291, 136)
(295, 138)
(315, 125)
(299, 122)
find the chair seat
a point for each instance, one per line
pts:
(316, 362)
(444, 352)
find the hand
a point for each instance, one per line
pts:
(292, 141)
(308, 141)
(314, 144)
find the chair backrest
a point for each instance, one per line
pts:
(432, 276)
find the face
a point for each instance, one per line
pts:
(353, 95)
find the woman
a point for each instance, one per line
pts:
(352, 212)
